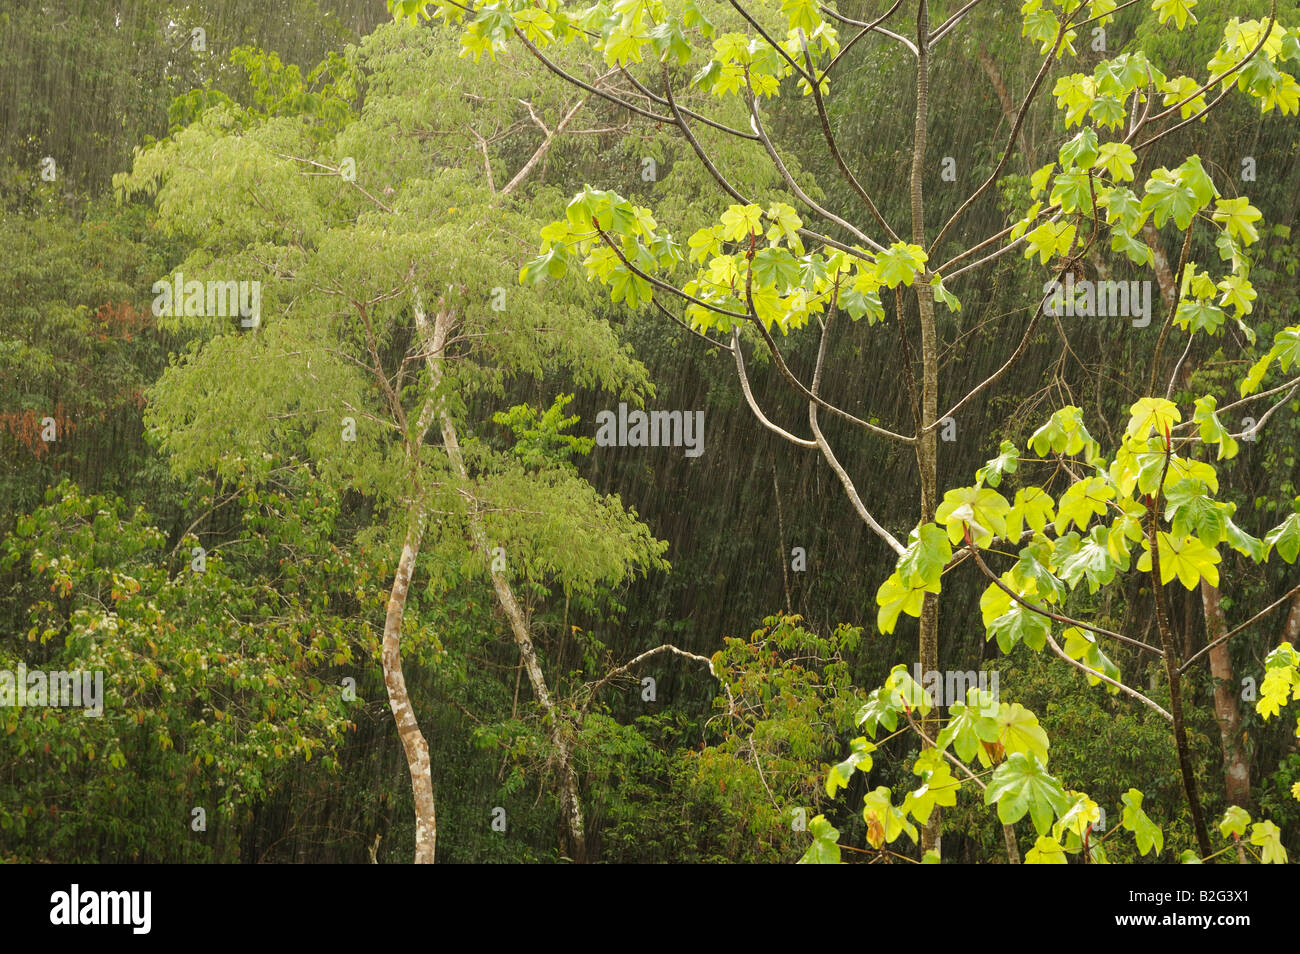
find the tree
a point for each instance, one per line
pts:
(76, 354)
(765, 264)
(386, 254)
(1160, 500)
(210, 666)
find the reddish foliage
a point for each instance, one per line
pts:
(26, 428)
(121, 321)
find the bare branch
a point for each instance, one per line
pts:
(840, 472)
(1006, 365)
(487, 159)
(544, 148)
(1289, 385)
(950, 24)
(753, 405)
(660, 283)
(1173, 309)
(1107, 679)
(807, 77)
(679, 121)
(648, 114)
(1053, 210)
(570, 78)
(974, 552)
(716, 344)
(1294, 591)
(799, 386)
(870, 27)
(1254, 429)
(635, 660)
(1011, 139)
(794, 186)
(873, 27)
(834, 149)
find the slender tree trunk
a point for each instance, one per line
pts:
(780, 533)
(1169, 292)
(927, 460)
(408, 729)
(1004, 100)
(1227, 712)
(414, 744)
(562, 739)
(1013, 848)
(1164, 274)
(1291, 629)
(1175, 688)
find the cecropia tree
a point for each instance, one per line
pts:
(777, 259)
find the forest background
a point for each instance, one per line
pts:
(190, 506)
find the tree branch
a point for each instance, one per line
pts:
(1294, 591)
(1011, 140)
(834, 149)
(1055, 616)
(753, 405)
(873, 27)
(794, 186)
(840, 472)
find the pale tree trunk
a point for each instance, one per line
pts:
(561, 739)
(1291, 629)
(408, 729)
(1227, 711)
(1164, 275)
(927, 460)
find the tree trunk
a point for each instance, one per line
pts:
(1175, 685)
(1291, 629)
(408, 729)
(1169, 293)
(413, 742)
(561, 739)
(927, 461)
(1227, 712)
(1004, 100)
(1013, 847)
